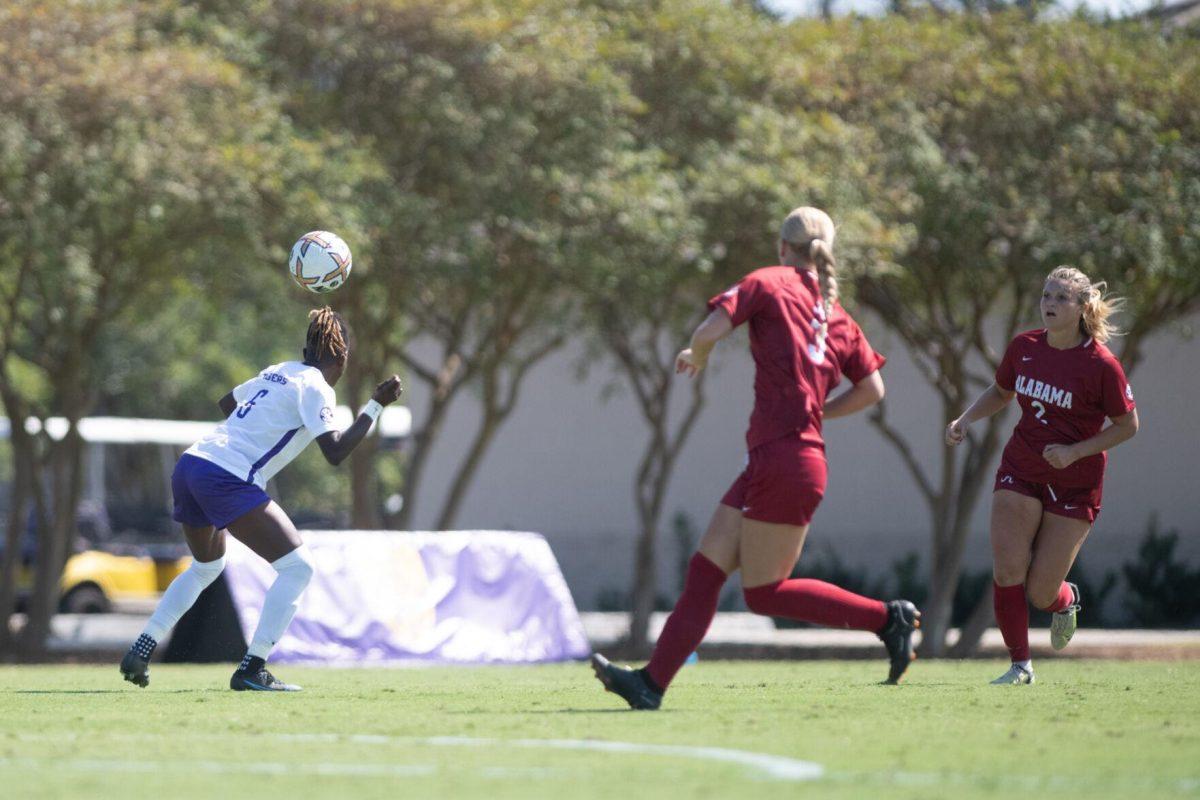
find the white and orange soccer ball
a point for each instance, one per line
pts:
(320, 261)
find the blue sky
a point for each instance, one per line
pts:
(791, 8)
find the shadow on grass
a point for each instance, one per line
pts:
(98, 691)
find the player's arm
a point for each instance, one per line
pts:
(1123, 428)
(336, 446)
(864, 394)
(227, 404)
(715, 327)
(992, 399)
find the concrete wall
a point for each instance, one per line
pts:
(563, 466)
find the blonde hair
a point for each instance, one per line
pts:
(810, 232)
(1097, 304)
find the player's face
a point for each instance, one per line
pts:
(337, 370)
(1060, 307)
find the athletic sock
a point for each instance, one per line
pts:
(1012, 615)
(1065, 598)
(144, 647)
(251, 664)
(816, 601)
(685, 628)
(181, 595)
(279, 606)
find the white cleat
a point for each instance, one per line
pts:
(1016, 676)
(1063, 623)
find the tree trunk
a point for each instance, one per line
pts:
(364, 485)
(650, 491)
(56, 537)
(18, 502)
(488, 428)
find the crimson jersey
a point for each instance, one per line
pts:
(795, 367)
(1064, 397)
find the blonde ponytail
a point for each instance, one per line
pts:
(1095, 301)
(810, 232)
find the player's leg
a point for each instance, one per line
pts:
(770, 551)
(1054, 551)
(1014, 525)
(269, 532)
(207, 545)
(208, 559)
(689, 621)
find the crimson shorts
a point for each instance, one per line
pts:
(1076, 502)
(783, 483)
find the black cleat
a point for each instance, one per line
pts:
(628, 683)
(259, 680)
(897, 636)
(135, 666)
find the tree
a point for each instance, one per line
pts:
(716, 171)
(490, 124)
(127, 165)
(1009, 151)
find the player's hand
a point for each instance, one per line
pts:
(689, 363)
(389, 391)
(1060, 456)
(956, 431)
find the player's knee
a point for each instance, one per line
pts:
(207, 571)
(296, 565)
(761, 599)
(1009, 574)
(1041, 598)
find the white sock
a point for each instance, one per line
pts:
(181, 595)
(1026, 665)
(279, 606)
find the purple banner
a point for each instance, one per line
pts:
(386, 597)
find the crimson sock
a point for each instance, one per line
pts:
(1064, 599)
(685, 628)
(1012, 615)
(816, 601)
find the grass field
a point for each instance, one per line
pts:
(1088, 729)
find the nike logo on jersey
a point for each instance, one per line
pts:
(1069, 508)
(1027, 358)
(1043, 391)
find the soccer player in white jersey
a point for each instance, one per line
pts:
(219, 485)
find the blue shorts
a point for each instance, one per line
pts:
(206, 494)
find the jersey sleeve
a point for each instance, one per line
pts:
(1006, 373)
(243, 390)
(317, 402)
(1116, 395)
(741, 301)
(859, 359)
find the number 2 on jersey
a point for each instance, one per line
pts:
(1041, 411)
(246, 407)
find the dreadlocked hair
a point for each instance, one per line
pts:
(328, 336)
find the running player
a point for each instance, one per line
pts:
(1047, 490)
(219, 485)
(802, 342)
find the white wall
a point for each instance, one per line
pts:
(563, 466)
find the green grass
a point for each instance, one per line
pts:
(1088, 729)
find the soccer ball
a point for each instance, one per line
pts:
(320, 261)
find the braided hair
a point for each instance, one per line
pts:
(328, 336)
(810, 232)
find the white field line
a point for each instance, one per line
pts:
(769, 766)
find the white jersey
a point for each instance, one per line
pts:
(279, 412)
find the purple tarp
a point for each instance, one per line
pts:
(380, 597)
